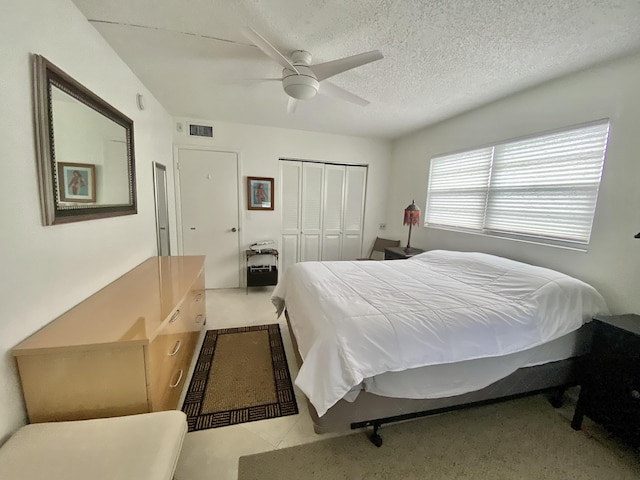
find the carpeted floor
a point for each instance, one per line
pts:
(241, 376)
(522, 439)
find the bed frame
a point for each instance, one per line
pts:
(370, 410)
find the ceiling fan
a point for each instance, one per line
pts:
(302, 81)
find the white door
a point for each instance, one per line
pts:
(209, 213)
(290, 185)
(334, 176)
(353, 221)
(311, 234)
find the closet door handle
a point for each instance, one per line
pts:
(175, 316)
(234, 229)
(176, 348)
(174, 385)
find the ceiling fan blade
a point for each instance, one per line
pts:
(334, 67)
(335, 91)
(291, 105)
(268, 49)
(245, 81)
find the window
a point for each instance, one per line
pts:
(542, 188)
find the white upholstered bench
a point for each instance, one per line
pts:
(140, 447)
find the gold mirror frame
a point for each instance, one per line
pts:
(46, 75)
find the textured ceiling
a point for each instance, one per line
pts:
(441, 57)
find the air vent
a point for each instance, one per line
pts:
(200, 130)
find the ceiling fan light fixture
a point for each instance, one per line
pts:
(301, 87)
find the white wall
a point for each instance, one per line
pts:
(260, 149)
(47, 270)
(612, 263)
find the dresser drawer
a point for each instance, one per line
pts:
(196, 302)
(171, 351)
(169, 392)
(167, 354)
(164, 351)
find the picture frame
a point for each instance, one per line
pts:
(260, 193)
(77, 182)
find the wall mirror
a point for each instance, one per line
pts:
(86, 164)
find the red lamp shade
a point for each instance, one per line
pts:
(411, 215)
(411, 218)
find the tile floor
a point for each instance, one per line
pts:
(213, 453)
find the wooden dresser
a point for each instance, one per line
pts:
(124, 350)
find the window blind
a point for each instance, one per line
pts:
(542, 187)
(457, 190)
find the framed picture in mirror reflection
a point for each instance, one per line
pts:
(77, 182)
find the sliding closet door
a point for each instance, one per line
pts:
(353, 220)
(334, 176)
(322, 211)
(290, 195)
(312, 197)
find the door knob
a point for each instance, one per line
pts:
(234, 229)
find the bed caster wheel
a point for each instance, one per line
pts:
(376, 439)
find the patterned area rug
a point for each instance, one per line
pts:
(241, 376)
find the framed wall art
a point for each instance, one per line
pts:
(260, 193)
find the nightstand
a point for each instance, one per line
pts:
(400, 253)
(610, 390)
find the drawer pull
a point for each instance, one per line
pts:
(635, 394)
(198, 297)
(176, 348)
(175, 316)
(199, 318)
(174, 385)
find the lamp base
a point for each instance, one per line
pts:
(408, 247)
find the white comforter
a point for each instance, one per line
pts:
(355, 320)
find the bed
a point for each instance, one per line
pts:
(385, 341)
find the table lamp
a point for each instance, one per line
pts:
(411, 218)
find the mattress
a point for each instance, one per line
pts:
(355, 321)
(450, 379)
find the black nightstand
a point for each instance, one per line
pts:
(610, 391)
(400, 253)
